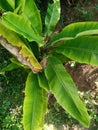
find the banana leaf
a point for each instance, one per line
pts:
(35, 104)
(65, 91)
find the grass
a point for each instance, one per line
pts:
(11, 95)
(11, 100)
(58, 119)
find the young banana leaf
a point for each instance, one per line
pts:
(52, 17)
(33, 14)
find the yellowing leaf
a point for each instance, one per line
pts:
(12, 42)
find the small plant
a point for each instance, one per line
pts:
(13, 120)
(43, 54)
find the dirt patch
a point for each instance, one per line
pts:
(85, 77)
(79, 10)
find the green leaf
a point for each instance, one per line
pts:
(19, 64)
(75, 30)
(12, 42)
(21, 25)
(19, 6)
(9, 67)
(35, 104)
(60, 56)
(33, 15)
(65, 91)
(7, 5)
(52, 17)
(82, 49)
(43, 81)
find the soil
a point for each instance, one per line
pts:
(85, 77)
(80, 10)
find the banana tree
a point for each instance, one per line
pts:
(43, 54)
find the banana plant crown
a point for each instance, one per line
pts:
(43, 54)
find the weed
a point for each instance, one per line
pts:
(11, 95)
